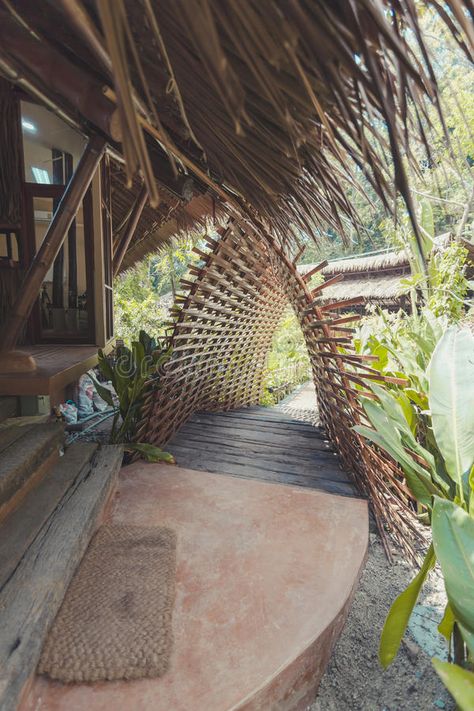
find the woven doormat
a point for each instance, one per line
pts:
(115, 621)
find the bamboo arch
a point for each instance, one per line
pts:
(221, 337)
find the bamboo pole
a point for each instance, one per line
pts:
(52, 242)
(80, 20)
(130, 228)
(54, 75)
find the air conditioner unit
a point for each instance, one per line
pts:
(43, 216)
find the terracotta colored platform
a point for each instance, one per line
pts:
(265, 578)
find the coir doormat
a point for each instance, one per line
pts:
(115, 620)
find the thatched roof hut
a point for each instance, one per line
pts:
(375, 277)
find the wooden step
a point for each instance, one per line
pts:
(26, 454)
(41, 544)
(22, 526)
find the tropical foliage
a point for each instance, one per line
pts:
(136, 304)
(128, 372)
(144, 293)
(287, 362)
(429, 430)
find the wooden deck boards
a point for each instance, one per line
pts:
(260, 443)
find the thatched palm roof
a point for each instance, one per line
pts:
(173, 216)
(374, 277)
(279, 105)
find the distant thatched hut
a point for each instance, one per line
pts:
(376, 277)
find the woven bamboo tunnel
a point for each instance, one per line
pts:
(222, 335)
(221, 338)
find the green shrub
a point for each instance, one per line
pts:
(130, 371)
(429, 432)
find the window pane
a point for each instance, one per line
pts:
(46, 140)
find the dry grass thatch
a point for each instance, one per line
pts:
(362, 264)
(384, 290)
(285, 100)
(173, 216)
(375, 278)
(278, 104)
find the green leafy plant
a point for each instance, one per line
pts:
(129, 371)
(288, 361)
(449, 285)
(438, 464)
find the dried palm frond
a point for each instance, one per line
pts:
(290, 101)
(281, 105)
(114, 23)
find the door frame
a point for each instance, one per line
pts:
(54, 191)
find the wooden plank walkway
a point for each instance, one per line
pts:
(260, 443)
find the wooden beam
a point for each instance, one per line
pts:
(130, 228)
(81, 22)
(315, 270)
(52, 74)
(52, 242)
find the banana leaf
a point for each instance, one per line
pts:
(458, 681)
(400, 611)
(150, 452)
(451, 397)
(453, 540)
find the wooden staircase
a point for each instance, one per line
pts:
(51, 502)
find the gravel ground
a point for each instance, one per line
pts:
(354, 679)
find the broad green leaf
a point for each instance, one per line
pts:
(419, 399)
(451, 398)
(104, 392)
(150, 452)
(441, 486)
(446, 625)
(427, 219)
(471, 491)
(453, 540)
(458, 681)
(408, 411)
(391, 406)
(138, 351)
(419, 485)
(394, 411)
(104, 366)
(400, 611)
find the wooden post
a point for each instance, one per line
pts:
(130, 228)
(71, 241)
(58, 266)
(52, 242)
